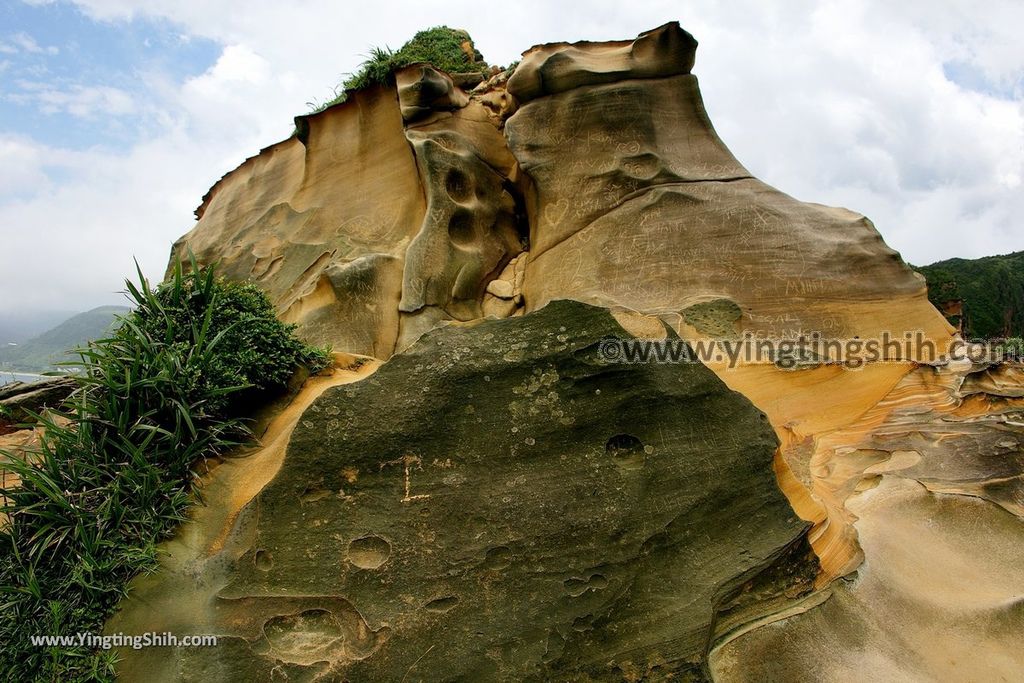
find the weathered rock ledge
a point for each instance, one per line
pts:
(396, 222)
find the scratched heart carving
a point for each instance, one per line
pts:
(555, 211)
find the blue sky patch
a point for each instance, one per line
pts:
(78, 83)
(971, 77)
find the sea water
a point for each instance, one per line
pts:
(8, 377)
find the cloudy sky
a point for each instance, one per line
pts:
(117, 115)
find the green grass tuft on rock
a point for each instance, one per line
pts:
(114, 473)
(445, 48)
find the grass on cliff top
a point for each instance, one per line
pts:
(440, 46)
(167, 389)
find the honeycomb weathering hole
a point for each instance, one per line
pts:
(626, 450)
(301, 637)
(441, 605)
(457, 185)
(460, 227)
(264, 560)
(369, 552)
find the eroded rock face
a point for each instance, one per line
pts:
(637, 202)
(550, 69)
(932, 480)
(938, 599)
(527, 512)
(592, 173)
(471, 227)
(385, 216)
(20, 400)
(634, 201)
(320, 222)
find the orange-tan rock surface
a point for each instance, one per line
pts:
(593, 173)
(636, 202)
(321, 222)
(938, 598)
(384, 216)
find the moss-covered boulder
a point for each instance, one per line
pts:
(498, 503)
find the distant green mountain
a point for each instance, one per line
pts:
(984, 297)
(45, 352)
(20, 326)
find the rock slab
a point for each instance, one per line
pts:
(499, 503)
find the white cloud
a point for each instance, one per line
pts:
(850, 105)
(237, 64)
(23, 42)
(22, 167)
(69, 243)
(840, 102)
(82, 101)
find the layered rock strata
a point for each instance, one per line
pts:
(593, 173)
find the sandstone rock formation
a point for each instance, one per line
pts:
(387, 214)
(590, 173)
(20, 400)
(572, 517)
(942, 575)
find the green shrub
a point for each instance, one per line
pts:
(164, 391)
(439, 46)
(443, 47)
(255, 350)
(991, 290)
